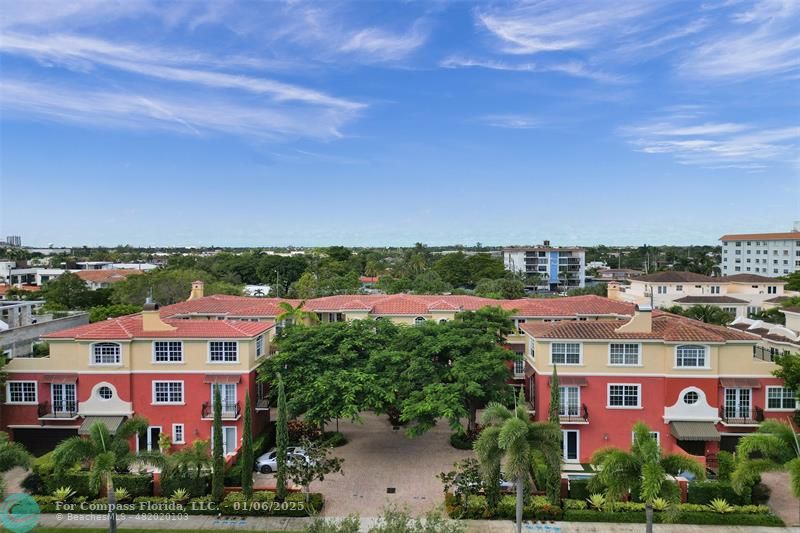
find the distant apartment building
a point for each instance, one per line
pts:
(558, 268)
(738, 294)
(14, 240)
(766, 254)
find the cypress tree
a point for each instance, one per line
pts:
(553, 488)
(247, 449)
(217, 454)
(281, 441)
(555, 398)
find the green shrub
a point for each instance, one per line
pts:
(233, 477)
(685, 517)
(760, 494)
(579, 489)
(704, 492)
(538, 507)
(334, 439)
(194, 486)
(726, 466)
(574, 505)
(33, 483)
(135, 484)
(460, 441)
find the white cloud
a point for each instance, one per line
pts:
(511, 121)
(552, 26)
(715, 145)
(762, 41)
(572, 68)
(377, 44)
(194, 115)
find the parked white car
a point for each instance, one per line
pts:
(268, 462)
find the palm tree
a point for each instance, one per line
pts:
(105, 454)
(776, 447)
(710, 314)
(295, 315)
(645, 466)
(195, 458)
(510, 435)
(12, 454)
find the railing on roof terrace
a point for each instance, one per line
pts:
(765, 354)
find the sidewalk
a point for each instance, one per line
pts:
(297, 524)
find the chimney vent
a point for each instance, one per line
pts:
(197, 290)
(642, 321)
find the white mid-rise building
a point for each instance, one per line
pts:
(765, 254)
(558, 268)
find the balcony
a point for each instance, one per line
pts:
(732, 415)
(65, 410)
(582, 417)
(230, 410)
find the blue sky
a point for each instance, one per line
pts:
(370, 123)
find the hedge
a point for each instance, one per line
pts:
(262, 504)
(460, 441)
(537, 507)
(685, 517)
(579, 489)
(195, 486)
(705, 491)
(135, 484)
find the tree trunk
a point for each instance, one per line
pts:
(648, 513)
(520, 502)
(112, 502)
(472, 421)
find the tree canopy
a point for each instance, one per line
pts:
(427, 372)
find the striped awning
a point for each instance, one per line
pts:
(740, 383)
(222, 378)
(694, 431)
(111, 422)
(577, 381)
(60, 378)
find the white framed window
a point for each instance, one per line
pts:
(419, 320)
(624, 395)
(168, 351)
(565, 353)
(715, 289)
(223, 351)
(654, 434)
(662, 289)
(781, 399)
(106, 353)
(177, 434)
(738, 402)
(624, 354)
(168, 392)
(259, 346)
(519, 367)
(691, 356)
(21, 392)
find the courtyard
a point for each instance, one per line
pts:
(378, 459)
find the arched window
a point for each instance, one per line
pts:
(106, 353)
(691, 356)
(419, 320)
(442, 321)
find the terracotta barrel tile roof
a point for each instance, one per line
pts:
(130, 327)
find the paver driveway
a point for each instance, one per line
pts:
(376, 458)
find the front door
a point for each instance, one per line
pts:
(737, 403)
(63, 396)
(571, 445)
